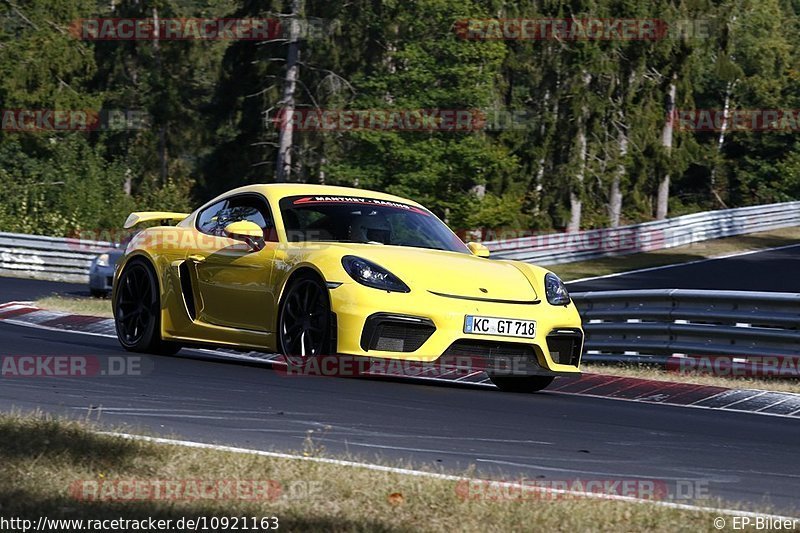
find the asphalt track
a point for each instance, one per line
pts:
(746, 460)
(18, 289)
(776, 270)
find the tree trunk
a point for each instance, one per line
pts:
(539, 176)
(575, 202)
(575, 206)
(321, 176)
(625, 89)
(283, 166)
(615, 198)
(162, 130)
(662, 201)
(720, 142)
(538, 188)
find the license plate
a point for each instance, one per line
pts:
(506, 327)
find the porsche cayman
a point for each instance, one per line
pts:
(311, 270)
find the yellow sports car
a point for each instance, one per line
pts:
(311, 271)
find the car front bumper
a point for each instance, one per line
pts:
(435, 331)
(101, 278)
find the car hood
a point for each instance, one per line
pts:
(449, 273)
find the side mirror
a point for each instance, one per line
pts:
(478, 249)
(246, 231)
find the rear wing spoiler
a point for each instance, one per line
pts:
(166, 218)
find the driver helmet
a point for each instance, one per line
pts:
(371, 227)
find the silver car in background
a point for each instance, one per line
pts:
(101, 272)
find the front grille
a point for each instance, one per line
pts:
(565, 346)
(395, 333)
(492, 357)
(489, 349)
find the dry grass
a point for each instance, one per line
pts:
(681, 254)
(78, 305)
(41, 458)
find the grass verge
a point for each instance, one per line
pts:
(680, 254)
(643, 372)
(77, 305)
(43, 459)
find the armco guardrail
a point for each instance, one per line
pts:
(36, 256)
(650, 325)
(557, 248)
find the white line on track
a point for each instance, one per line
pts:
(675, 265)
(445, 477)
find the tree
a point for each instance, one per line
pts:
(283, 167)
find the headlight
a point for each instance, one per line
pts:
(102, 260)
(555, 290)
(369, 274)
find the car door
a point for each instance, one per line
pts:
(232, 279)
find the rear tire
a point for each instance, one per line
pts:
(137, 311)
(521, 383)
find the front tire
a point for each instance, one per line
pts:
(137, 311)
(521, 383)
(304, 321)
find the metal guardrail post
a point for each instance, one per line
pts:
(655, 235)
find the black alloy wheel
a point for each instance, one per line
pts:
(137, 314)
(304, 322)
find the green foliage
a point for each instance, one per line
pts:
(210, 103)
(63, 187)
(496, 212)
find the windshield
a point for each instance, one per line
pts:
(365, 220)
